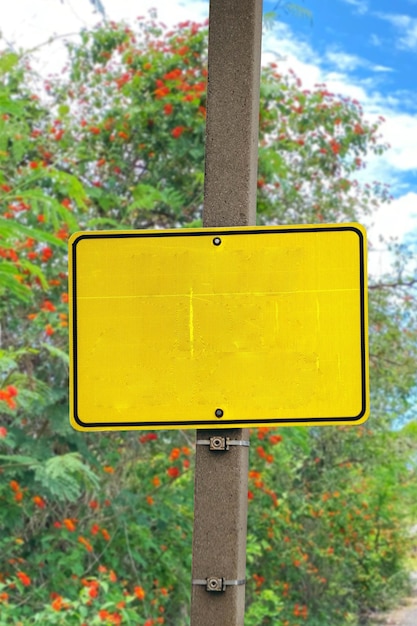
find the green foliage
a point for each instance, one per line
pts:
(97, 528)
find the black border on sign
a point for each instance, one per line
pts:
(215, 423)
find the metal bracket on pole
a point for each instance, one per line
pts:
(217, 584)
(221, 443)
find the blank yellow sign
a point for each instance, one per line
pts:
(225, 327)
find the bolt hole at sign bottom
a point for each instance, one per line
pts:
(219, 413)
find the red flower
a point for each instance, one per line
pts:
(49, 330)
(46, 252)
(173, 472)
(177, 131)
(275, 439)
(173, 75)
(12, 391)
(48, 306)
(7, 395)
(168, 108)
(3, 432)
(24, 578)
(335, 146)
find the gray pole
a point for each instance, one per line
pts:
(221, 478)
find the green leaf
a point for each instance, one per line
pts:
(8, 61)
(57, 352)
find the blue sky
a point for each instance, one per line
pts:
(366, 49)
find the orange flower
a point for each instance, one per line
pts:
(112, 577)
(39, 502)
(14, 485)
(85, 543)
(150, 500)
(161, 92)
(175, 453)
(139, 592)
(108, 469)
(156, 481)
(105, 534)
(58, 603)
(70, 524)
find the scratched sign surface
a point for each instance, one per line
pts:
(227, 327)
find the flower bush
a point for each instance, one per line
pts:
(96, 529)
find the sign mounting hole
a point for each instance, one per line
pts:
(219, 413)
(217, 241)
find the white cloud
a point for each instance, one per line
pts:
(344, 61)
(375, 40)
(407, 27)
(360, 5)
(389, 223)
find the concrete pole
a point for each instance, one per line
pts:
(221, 477)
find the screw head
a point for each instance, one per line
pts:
(217, 241)
(219, 413)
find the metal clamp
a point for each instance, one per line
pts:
(221, 443)
(217, 584)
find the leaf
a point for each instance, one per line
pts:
(19, 459)
(8, 61)
(56, 352)
(9, 228)
(298, 10)
(65, 476)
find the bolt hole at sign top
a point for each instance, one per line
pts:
(217, 241)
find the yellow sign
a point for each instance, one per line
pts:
(218, 328)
